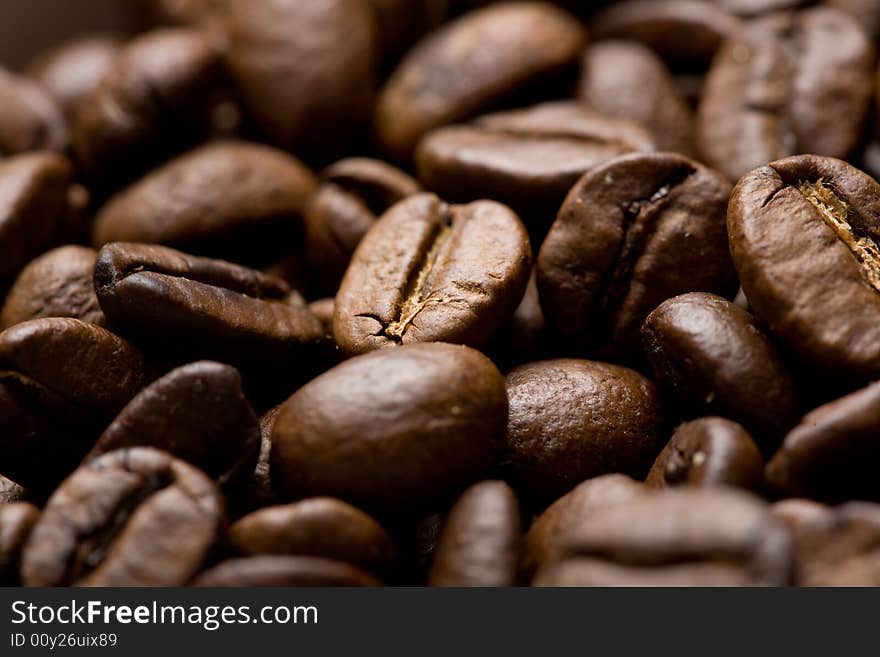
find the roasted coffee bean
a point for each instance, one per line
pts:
(570, 420)
(318, 527)
(10, 491)
(223, 199)
(710, 356)
(33, 201)
(30, 119)
(832, 455)
(274, 570)
(305, 70)
(150, 103)
(775, 89)
(711, 451)
(834, 546)
(17, 520)
(504, 49)
(72, 69)
(527, 158)
(208, 308)
(631, 234)
(685, 33)
(56, 284)
(626, 80)
(547, 534)
(107, 523)
(197, 413)
(353, 194)
(803, 234)
(432, 272)
(706, 537)
(428, 419)
(481, 539)
(754, 8)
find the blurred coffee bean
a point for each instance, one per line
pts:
(30, 119)
(17, 520)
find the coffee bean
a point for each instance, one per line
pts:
(570, 420)
(225, 199)
(689, 341)
(106, 524)
(209, 308)
(30, 119)
(441, 411)
(833, 546)
(56, 284)
(754, 8)
(481, 538)
(547, 535)
(774, 90)
(33, 201)
(685, 33)
(72, 69)
(708, 537)
(631, 234)
(626, 80)
(17, 520)
(428, 271)
(832, 454)
(319, 527)
(803, 234)
(354, 193)
(148, 105)
(527, 158)
(711, 451)
(504, 48)
(197, 413)
(305, 70)
(274, 570)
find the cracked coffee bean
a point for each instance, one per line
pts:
(711, 451)
(780, 86)
(631, 234)
(108, 521)
(804, 234)
(432, 272)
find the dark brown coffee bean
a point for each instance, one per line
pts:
(319, 527)
(626, 80)
(832, 455)
(503, 48)
(221, 199)
(711, 357)
(30, 119)
(685, 33)
(481, 539)
(775, 89)
(11, 492)
(197, 413)
(804, 234)
(72, 69)
(631, 234)
(833, 546)
(547, 535)
(427, 418)
(149, 104)
(711, 451)
(306, 70)
(33, 201)
(526, 158)
(274, 570)
(106, 524)
(353, 194)
(17, 520)
(696, 537)
(570, 420)
(56, 284)
(429, 272)
(208, 308)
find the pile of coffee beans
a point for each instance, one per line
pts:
(444, 292)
